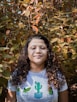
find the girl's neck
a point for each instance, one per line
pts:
(36, 68)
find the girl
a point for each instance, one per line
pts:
(37, 76)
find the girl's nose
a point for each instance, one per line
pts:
(37, 49)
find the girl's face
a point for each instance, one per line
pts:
(37, 52)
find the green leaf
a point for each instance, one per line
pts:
(0, 90)
(4, 48)
(7, 56)
(3, 82)
(1, 68)
(6, 74)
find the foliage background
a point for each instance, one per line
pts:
(56, 19)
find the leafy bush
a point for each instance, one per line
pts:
(21, 18)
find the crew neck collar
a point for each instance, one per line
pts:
(42, 71)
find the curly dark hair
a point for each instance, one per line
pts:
(52, 65)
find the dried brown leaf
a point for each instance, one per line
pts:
(35, 28)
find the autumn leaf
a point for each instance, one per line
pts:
(24, 1)
(21, 25)
(7, 32)
(32, 1)
(37, 18)
(35, 29)
(26, 13)
(37, 9)
(54, 40)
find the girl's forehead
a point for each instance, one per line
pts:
(37, 40)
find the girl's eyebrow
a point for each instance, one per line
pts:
(36, 45)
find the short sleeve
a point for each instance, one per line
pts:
(11, 87)
(63, 87)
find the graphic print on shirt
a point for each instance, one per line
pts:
(26, 90)
(38, 94)
(18, 91)
(50, 91)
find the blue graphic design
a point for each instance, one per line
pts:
(38, 94)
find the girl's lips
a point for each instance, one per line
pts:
(38, 56)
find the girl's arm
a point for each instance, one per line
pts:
(11, 96)
(63, 96)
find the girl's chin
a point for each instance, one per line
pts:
(38, 63)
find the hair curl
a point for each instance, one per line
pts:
(53, 68)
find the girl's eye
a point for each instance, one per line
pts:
(40, 47)
(33, 48)
(43, 47)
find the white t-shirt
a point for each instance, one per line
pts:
(35, 89)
